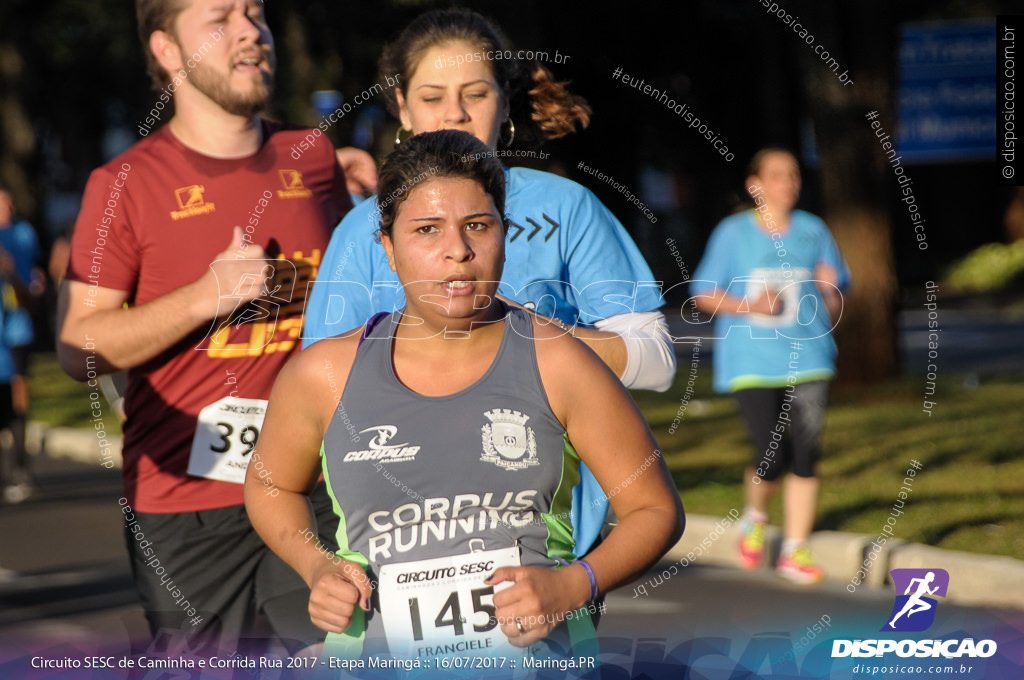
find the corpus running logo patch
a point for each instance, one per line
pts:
(914, 609)
(507, 442)
(380, 449)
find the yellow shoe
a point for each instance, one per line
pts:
(800, 567)
(752, 546)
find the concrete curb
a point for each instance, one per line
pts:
(985, 580)
(973, 579)
(77, 444)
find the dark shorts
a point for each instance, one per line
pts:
(21, 357)
(785, 424)
(6, 406)
(208, 575)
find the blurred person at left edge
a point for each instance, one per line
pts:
(189, 266)
(22, 283)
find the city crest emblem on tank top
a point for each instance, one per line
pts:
(507, 441)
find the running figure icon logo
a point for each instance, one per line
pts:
(385, 433)
(292, 186)
(192, 202)
(914, 611)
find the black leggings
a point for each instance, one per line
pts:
(785, 424)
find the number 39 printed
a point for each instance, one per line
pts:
(247, 436)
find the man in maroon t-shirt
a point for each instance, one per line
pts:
(189, 267)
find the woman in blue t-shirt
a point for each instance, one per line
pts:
(771, 276)
(567, 256)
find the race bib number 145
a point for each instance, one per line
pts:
(441, 607)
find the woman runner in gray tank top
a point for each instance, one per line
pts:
(450, 434)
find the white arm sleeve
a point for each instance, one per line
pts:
(650, 357)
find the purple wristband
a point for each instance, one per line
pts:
(590, 577)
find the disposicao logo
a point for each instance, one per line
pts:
(914, 611)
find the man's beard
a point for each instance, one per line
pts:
(218, 89)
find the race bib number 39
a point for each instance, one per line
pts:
(441, 607)
(226, 434)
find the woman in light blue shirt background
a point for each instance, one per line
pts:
(772, 278)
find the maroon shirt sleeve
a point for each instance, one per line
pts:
(104, 250)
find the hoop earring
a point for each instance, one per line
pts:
(511, 134)
(398, 132)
